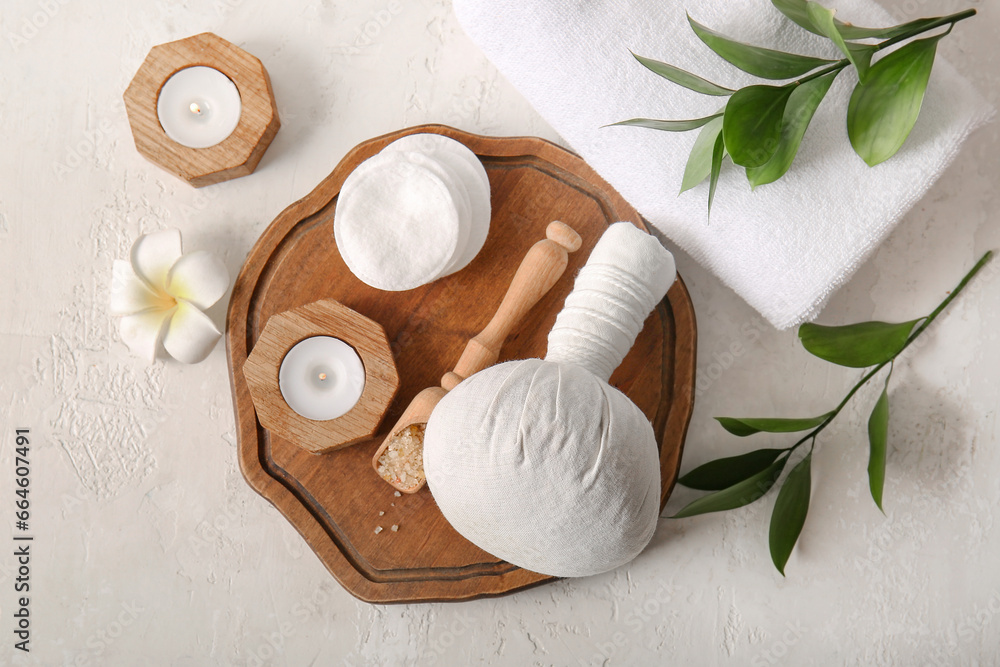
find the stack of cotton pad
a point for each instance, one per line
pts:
(416, 212)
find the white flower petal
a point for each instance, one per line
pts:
(153, 255)
(142, 332)
(190, 334)
(131, 295)
(199, 277)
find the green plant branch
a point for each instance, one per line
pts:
(836, 411)
(950, 21)
(764, 124)
(739, 480)
(916, 332)
(951, 297)
(835, 67)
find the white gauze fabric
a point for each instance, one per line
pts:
(784, 247)
(543, 463)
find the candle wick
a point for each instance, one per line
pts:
(195, 109)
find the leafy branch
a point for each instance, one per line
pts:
(740, 480)
(761, 126)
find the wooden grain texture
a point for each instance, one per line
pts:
(334, 500)
(540, 269)
(238, 154)
(321, 318)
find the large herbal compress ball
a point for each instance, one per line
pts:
(546, 466)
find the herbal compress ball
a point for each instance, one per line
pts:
(541, 462)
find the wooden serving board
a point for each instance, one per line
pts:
(334, 499)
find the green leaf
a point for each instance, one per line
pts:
(789, 513)
(750, 425)
(699, 164)
(857, 32)
(882, 111)
(856, 345)
(668, 125)
(765, 63)
(802, 104)
(860, 55)
(751, 123)
(682, 77)
(797, 11)
(737, 495)
(878, 434)
(718, 153)
(723, 473)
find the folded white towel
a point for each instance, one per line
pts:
(785, 247)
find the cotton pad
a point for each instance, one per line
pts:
(395, 231)
(444, 170)
(396, 223)
(458, 156)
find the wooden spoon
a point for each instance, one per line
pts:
(541, 267)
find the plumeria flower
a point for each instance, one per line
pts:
(161, 294)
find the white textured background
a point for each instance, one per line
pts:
(150, 548)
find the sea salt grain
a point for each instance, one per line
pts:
(378, 529)
(402, 462)
(394, 528)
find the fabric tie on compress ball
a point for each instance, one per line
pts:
(543, 463)
(627, 274)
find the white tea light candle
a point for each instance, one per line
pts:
(199, 107)
(321, 378)
(271, 399)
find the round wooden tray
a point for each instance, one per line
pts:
(334, 500)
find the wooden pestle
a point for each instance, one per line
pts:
(541, 267)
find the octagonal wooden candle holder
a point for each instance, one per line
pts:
(239, 153)
(321, 318)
